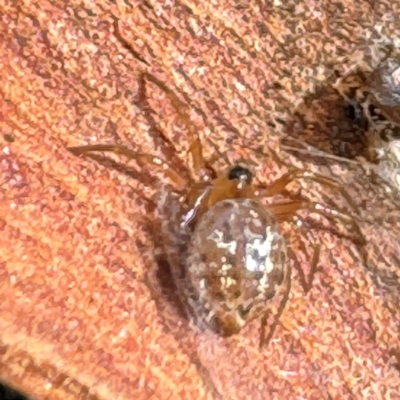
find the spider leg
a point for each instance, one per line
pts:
(141, 158)
(305, 283)
(283, 212)
(286, 210)
(306, 287)
(161, 140)
(200, 166)
(278, 187)
(264, 340)
(357, 237)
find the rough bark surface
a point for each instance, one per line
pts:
(83, 311)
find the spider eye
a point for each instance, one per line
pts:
(240, 173)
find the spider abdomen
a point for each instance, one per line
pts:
(236, 262)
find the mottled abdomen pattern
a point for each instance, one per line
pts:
(236, 262)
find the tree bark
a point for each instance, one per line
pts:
(86, 312)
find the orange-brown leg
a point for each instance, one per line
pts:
(161, 141)
(201, 168)
(286, 211)
(279, 186)
(264, 340)
(180, 182)
(306, 283)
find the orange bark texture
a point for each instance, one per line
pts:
(85, 312)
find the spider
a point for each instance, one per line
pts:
(228, 256)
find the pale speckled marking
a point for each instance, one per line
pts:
(264, 249)
(218, 237)
(255, 215)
